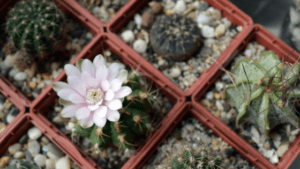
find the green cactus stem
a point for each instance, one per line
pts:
(262, 92)
(192, 161)
(133, 122)
(22, 165)
(35, 27)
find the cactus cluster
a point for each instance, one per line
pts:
(263, 92)
(35, 27)
(189, 160)
(22, 165)
(133, 122)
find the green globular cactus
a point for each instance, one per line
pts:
(35, 27)
(188, 160)
(133, 122)
(262, 92)
(22, 165)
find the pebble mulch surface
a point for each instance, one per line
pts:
(35, 148)
(111, 158)
(8, 112)
(216, 31)
(214, 101)
(192, 135)
(104, 10)
(32, 81)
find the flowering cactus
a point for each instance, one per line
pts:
(263, 90)
(93, 92)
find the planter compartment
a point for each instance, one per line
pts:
(180, 70)
(48, 103)
(262, 37)
(43, 141)
(38, 76)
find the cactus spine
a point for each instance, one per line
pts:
(262, 91)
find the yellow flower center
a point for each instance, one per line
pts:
(94, 95)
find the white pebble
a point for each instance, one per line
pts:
(219, 105)
(226, 22)
(274, 159)
(50, 164)
(282, 149)
(180, 6)
(175, 72)
(220, 86)
(10, 118)
(34, 147)
(10, 60)
(34, 133)
(207, 31)
(127, 36)
(57, 119)
(20, 76)
(70, 126)
(220, 30)
(161, 62)
(138, 20)
(63, 163)
(203, 19)
(40, 160)
(13, 72)
(52, 156)
(19, 154)
(140, 46)
(209, 95)
(89, 35)
(14, 148)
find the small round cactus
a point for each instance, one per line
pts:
(34, 27)
(193, 161)
(175, 37)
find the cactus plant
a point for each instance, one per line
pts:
(189, 160)
(262, 92)
(175, 37)
(22, 165)
(35, 27)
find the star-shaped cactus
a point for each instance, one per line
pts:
(263, 91)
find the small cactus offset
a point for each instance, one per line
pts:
(35, 27)
(133, 122)
(263, 90)
(189, 160)
(23, 165)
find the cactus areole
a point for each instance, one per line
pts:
(264, 92)
(34, 27)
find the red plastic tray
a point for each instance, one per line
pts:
(22, 125)
(228, 10)
(46, 99)
(270, 42)
(70, 7)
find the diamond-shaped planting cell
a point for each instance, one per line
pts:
(46, 105)
(284, 52)
(228, 11)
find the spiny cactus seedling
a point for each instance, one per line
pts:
(23, 165)
(34, 27)
(133, 122)
(263, 90)
(189, 160)
(175, 37)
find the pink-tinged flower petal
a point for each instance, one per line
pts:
(87, 66)
(71, 70)
(76, 98)
(70, 111)
(114, 104)
(101, 73)
(105, 85)
(101, 111)
(109, 95)
(83, 113)
(65, 93)
(57, 86)
(123, 75)
(113, 115)
(89, 81)
(100, 122)
(124, 91)
(79, 63)
(88, 122)
(113, 71)
(93, 107)
(115, 85)
(77, 85)
(99, 61)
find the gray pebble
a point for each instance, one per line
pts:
(33, 147)
(14, 148)
(203, 6)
